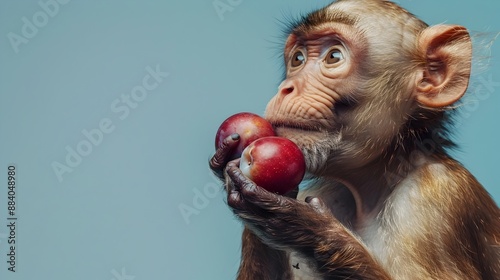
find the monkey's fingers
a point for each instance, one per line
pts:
(222, 155)
(235, 199)
(251, 195)
(276, 219)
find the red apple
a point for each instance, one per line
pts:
(249, 126)
(274, 163)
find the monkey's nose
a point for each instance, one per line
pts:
(287, 90)
(286, 87)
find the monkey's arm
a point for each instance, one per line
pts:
(307, 228)
(258, 260)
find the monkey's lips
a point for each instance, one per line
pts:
(301, 133)
(277, 125)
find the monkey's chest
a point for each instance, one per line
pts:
(300, 269)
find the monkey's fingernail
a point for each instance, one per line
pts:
(235, 136)
(308, 199)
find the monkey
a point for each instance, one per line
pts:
(368, 95)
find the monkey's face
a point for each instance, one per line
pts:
(335, 102)
(313, 100)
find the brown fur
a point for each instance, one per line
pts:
(385, 200)
(264, 262)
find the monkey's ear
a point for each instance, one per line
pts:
(446, 53)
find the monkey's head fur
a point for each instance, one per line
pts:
(366, 82)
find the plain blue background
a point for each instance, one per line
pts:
(117, 213)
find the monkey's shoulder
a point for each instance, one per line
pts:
(433, 208)
(450, 182)
(441, 194)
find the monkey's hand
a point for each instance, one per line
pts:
(280, 221)
(222, 155)
(306, 227)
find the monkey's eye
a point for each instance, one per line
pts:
(334, 56)
(297, 59)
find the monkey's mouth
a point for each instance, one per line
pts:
(296, 126)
